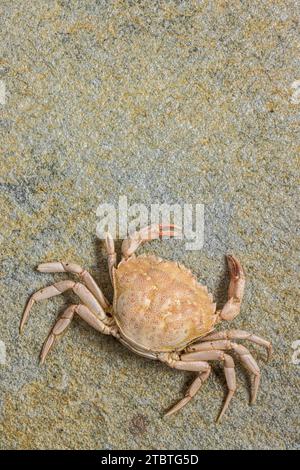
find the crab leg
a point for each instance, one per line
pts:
(58, 288)
(63, 267)
(112, 256)
(152, 232)
(243, 353)
(229, 370)
(240, 334)
(203, 369)
(236, 290)
(65, 320)
(190, 393)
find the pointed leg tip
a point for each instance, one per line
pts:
(168, 413)
(42, 359)
(220, 417)
(253, 399)
(43, 355)
(254, 390)
(269, 353)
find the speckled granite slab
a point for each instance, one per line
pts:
(173, 101)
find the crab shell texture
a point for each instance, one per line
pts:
(159, 305)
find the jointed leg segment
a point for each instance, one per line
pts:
(58, 288)
(212, 348)
(198, 362)
(229, 370)
(190, 393)
(239, 334)
(60, 267)
(201, 350)
(64, 322)
(92, 310)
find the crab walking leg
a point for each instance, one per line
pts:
(243, 353)
(203, 368)
(236, 290)
(58, 288)
(152, 232)
(240, 334)
(229, 370)
(63, 267)
(112, 256)
(65, 320)
(190, 393)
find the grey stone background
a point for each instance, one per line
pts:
(171, 101)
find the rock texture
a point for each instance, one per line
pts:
(176, 101)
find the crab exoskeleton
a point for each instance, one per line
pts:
(159, 311)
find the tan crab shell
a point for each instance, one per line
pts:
(159, 305)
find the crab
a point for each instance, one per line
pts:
(159, 311)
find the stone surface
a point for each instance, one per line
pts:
(164, 102)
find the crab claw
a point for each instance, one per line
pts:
(236, 289)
